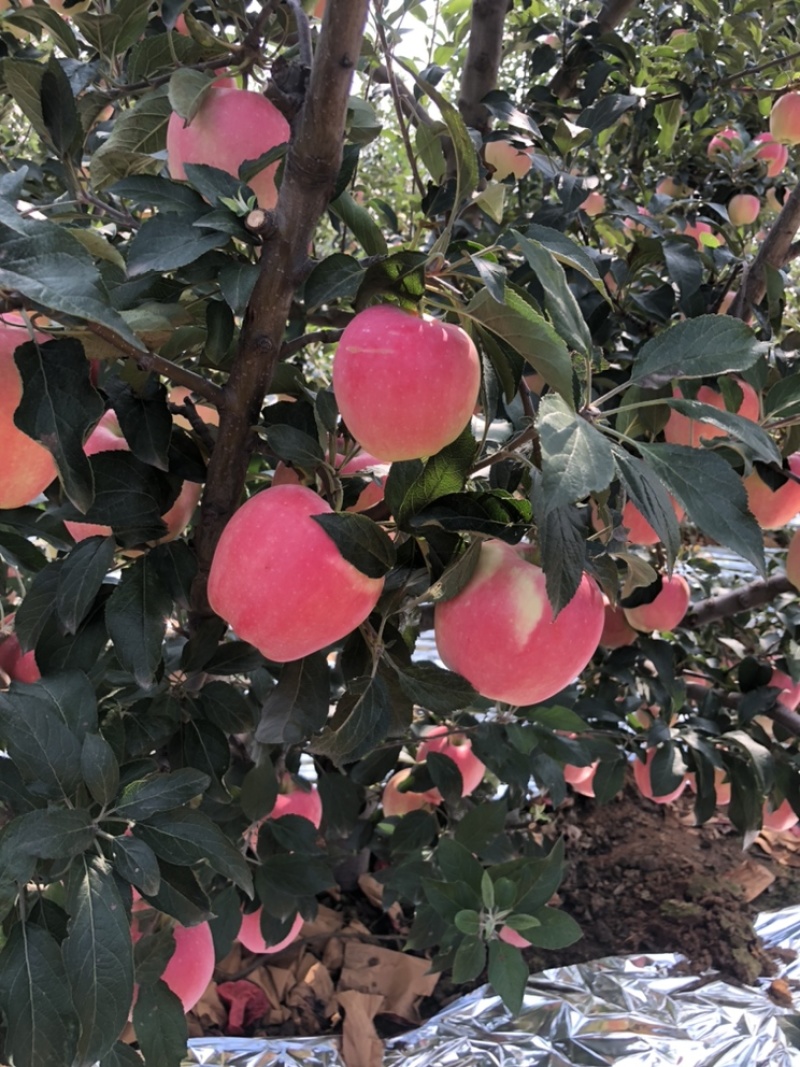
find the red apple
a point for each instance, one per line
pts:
(743, 209)
(666, 611)
(292, 799)
(231, 126)
(506, 159)
(191, 966)
(637, 227)
(779, 819)
(681, 430)
(641, 775)
(28, 466)
(281, 582)
(513, 937)
(458, 748)
(640, 532)
(594, 204)
(697, 230)
(617, 632)
(107, 437)
(725, 140)
(251, 937)
(775, 154)
(784, 119)
(581, 778)
(773, 508)
(790, 691)
(499, 632)
(394, 802)
(19, 666)
(406, 385)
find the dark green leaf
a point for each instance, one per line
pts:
(69, 695)
(652, 499)
(712, 494)
(684, 266)
(225, 706)
(136, 136)
(136, 617)
(99, 768)
(335, 278)
(361, 542)
(556, 929)
(761, 445)
(144, 419)
(236, 282)
(59, 113)
(411, 486)
(39, 604)
(46, 752)
(57, 833)
(562, 548)
(41, 1027)
(360, 723)
(146, 190)
(187, 90)
(152, 953)
(180, 895)
(398, 279)
(469, 960)
(160, 1025)
(529, 334)
(259, 790)
(33, 18)
(293, 446)
(606, 111)
(457, 864)
(186, 837)
(567, 251)
(121, 1055)
(136, 863)
(358, 219)
(80, 577)
(161, 792)
(508, 974)
(559, 299)
(576, 457)
(98, 957)
(298, 705)
(436, 689)
(166, 242)
(697, 348)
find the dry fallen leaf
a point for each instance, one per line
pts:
(753, 878)
(402, 980)
(361, 1046)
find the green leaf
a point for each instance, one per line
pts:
(298, 705)
(335, 278)
(180, 895)
(144, 419)
(576, 458)
(508, 974)
(99, 768)
(567, 252)
(468, 922)
(161, 792)
(556, 929)
(98, 957)
(295, 447)
(136, 136)
(121, 1055)
(697, 348)
(528, 333)
(39, 604)
(562, 547)
(41, 1027)
(358, 219)
(412, 485)
(712, 494)
(166, 242)
(33, 18)
(487, 890)
(186, 837)
(606, 111)
(187, 90)
(160, 1025)
(759, 443)
(399, 280)
(57, 833)
(69, 695)
(651, 498)
(361, 722)
(226, 706)
(23, 80)
(80, 578)
(684, 266)
(668, 116)
(146, 190)
(457, 864)
(59, 111)
(559, 299)
(136, 863)
(46, 752)
(136, 617)
(469, 960)
(364, 544)
(259, 790)
(436, 689)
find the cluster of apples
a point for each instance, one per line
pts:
(456, 747)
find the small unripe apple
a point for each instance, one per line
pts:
(395, 802)
(506, 159)
(107, 437)
(28, 467)
(743, 209)
(773, 508)
(666, 611)
(784, 119)
(681, 430)
(617, 631)
(772, 152)
(724, 141)
(406, 385)
(499, 632)
(231, 126)
(458, 748)
(281, 582)
(641, 775)
(594, 204)
(251, 937)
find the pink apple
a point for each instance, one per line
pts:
(790, 691)
(458, 748)
(779, 819)
(581, 778)
(499, 632)
(362, 464)
(191, 966)
(231, 126)
(697, 231)
(594, 204)
(784, 119)
(774, 508)
(641, 775)
(506, 159)
(793, 561)
(18, 665)
(743, 209)
(513, 937)
(666, 611)
(640, 532)
(637, 227)
(251, 937)
(726, 140)
(394, 802)
(281, 582)
(681, 430)
(772, 152)
(107, 437)
(617, 632)
(406, 385)
(669, 187)
(293, 799)
(28, 467)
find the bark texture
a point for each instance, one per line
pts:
(484, 52)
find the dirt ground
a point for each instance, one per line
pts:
(640, 878)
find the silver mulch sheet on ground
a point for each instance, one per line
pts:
(629, 1011)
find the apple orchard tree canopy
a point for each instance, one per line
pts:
(314, 353)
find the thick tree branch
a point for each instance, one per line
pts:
(312, 165)
(774, 252)
(566, 79)
(785, 717)
(754, 595)
(484, 52)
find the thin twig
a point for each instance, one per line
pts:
(303, 32)
(297, 344)
(398, 107)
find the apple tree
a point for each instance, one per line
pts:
(383, 385)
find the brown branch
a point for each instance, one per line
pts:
(484, 52)
(412, 108)
(312, 165)
(150, 361)
(566, 79)
(773, 253)
(399, 111)
(785, 717)
(754, 595)
(297, 344)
